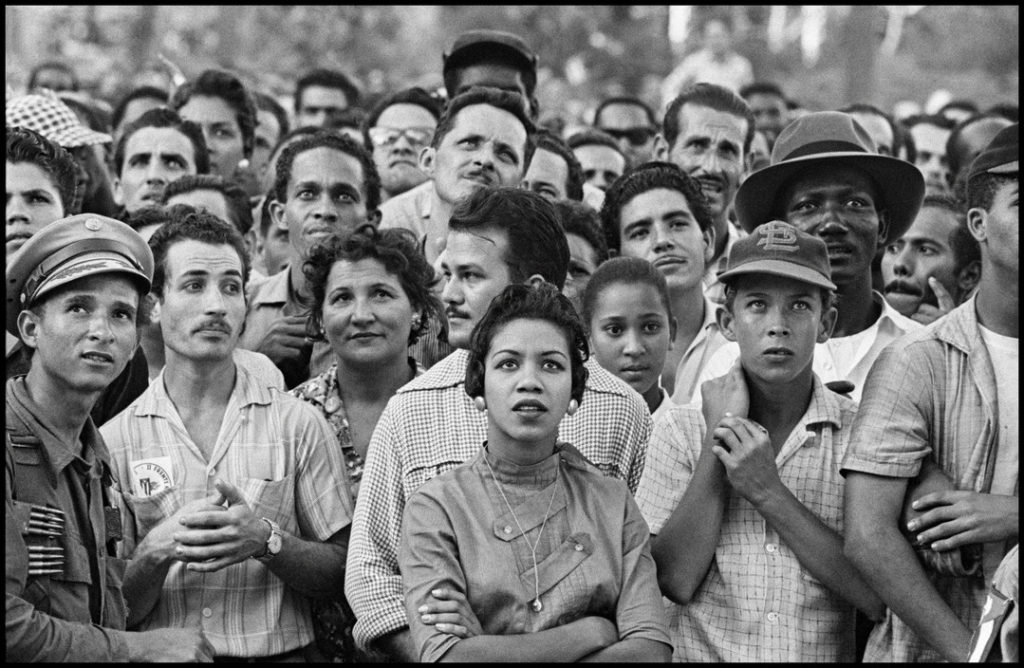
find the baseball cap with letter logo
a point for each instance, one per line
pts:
(780, 249)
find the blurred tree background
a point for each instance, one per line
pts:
(822, 56)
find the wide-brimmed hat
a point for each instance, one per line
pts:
(780, 249)
(53, 119)
(830, 137)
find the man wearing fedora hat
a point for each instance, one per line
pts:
(826, 179)
(73, 294)
(945, 398)
(744, 493)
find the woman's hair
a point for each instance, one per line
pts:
(522, 301)
(397, 249)
(628, 270)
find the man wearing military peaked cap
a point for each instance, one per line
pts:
(73, 294)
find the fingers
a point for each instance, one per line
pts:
(233, 550)
(453, 629)
(231, 494)
(927, 314)
(932, 499)
(211, 519)
(945, 300)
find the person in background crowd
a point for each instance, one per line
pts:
(492, 58)
(768, 104)
(707, 132)
(878, 124)
(152, 151)
(396, 130)
(716, 63)
(53, 75)
(497, 236)
(326, 184)
(930, 135)
(631, 123)
(554, 171)
(136, 102)
(321, 95)
(657, 213)
(73, 296)
(744, 493)
(932, 469)
(269, 175)
(826, 179)
(628, 318)
(271, 125)
(958, 111)
(224, 199)
(269, 242)
(349, 123)
(935, 265)
(526, 370)
(371, 301)
(599, 156)
(218, 102)
(587, 247)
(965, 142)
(268, 531)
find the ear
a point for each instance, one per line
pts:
(28, 328)
(277, 214)
(535, 280)
(827, 324)
(427, 158)
(673, 327)
(725, 321)
(118, 191)
(660, 148)
(883, 229)
(154, 308)
(967, 279)
(709, 245)
(977, 218)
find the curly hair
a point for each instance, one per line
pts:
(338, 142)
(396, 249)
(227, 87)
(24, 145)
(521, 301)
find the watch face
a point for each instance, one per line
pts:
(274, 544)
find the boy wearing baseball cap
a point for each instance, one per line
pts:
(743, 494)
(73, 294)
(945, 398)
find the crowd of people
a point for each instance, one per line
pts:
(441, 377)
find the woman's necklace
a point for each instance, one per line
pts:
(536, 605)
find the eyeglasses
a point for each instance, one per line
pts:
(388, 136)
(636, 136)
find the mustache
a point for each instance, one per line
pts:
(904, 287)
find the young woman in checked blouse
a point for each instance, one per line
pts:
(371, 301)
(527, 552)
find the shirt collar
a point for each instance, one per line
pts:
(275, 290)
(891, 317)
(825, 406)
(155, 400)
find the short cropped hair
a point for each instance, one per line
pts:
(52, 65)
(414, 95)
(640, 179)
(762, 88)
(338, 142)
(228, 87)
(629, 270)
(24, 145)
(574, 178)
(520, 301)
(582, 220)
(184, 223)
(982, 189)
(138, 93)
(626, 99)
(396, 249)
(162, 117)
(495, 97)
(593, 136)
(536, 239)
(714, 97)
(326, 78)
(236, 198)
(146, 216)
(954, 150)
(937, 120)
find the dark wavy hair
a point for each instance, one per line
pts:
(228, 87)
(235, 197)
(574, 178)
(640, 179)
(711, 96)
(395, 248)
(338, 142)
(580, 219)
(629, 270)
(24, 145)
(520, 301)
(325, 78)
(162, 117)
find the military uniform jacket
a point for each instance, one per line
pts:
(64, 599)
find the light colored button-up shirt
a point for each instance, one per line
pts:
(703, 347)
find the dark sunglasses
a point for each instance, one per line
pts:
(636, 136)
(388, 136)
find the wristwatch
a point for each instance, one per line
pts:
(273, 546)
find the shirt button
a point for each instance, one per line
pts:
(207, 613)
(508, 529)
(773, 617)
(772, 548)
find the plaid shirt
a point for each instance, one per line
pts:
(931, 394)
(757, 603)
(430, 426)
(284, 458)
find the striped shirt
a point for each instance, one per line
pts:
(282, 455)
(757, 603)
(430, 426)
(931, 394)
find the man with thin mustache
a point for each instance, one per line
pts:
(238, 492)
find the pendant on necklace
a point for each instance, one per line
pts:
(537, 605)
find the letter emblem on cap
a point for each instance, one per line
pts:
(777, 238)
(93, 225)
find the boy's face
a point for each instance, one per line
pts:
(776, 321)
(33, 202)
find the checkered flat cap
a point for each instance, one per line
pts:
(53, 119)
